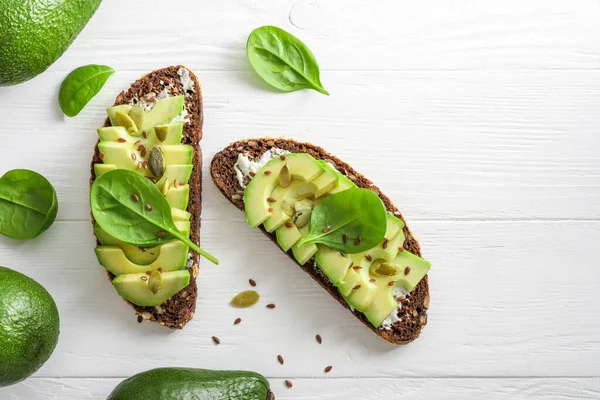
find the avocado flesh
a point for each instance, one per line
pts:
(34, 34)
(135, 254)
(181, 173)
(172, 257)
(128, 156)
(333, 263)
(325, 182)
(178, 154)
(180, 215)
(178, 197)
(112, 112)
(100, 169)
(287, 236)
(296, 190)
(173, 133)
(304, 252)
(163, 112)
(343, 182)
(136, 290)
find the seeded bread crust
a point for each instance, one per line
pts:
(179, 309)
(413, 312)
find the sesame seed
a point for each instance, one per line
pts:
(133, 156)
(144, 278)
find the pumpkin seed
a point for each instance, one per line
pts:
(245, 299)
(381, 268)
(288, 207)
(155, 282)
(125, 121)
(137, 115)
(284, 176)
(302, 217)
(161, 132)
(156, 162)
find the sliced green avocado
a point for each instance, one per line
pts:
(147, 292)
(177, 154)
(180, 215)
(163, 112)
(100, 169)
(301, 167)
(285, 199)
(343, 182)
(387, 249)
(172, 257)
(362, 297)
(181, 173)
(113, 134)
(287, 236)
(178, 197)
(394, 224)
(128, 155)
(112, 112)
(326, 182)
(134, 253)
(167, 134)
(183, 226)
(333, 264)
(350, 281)
(410, 278)
(304, 252)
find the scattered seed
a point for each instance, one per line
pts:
(152, 179)
(140, 319)
(216, 340)
(391, 283)
(270, 209)
(344, 238)
(327, 229)
(161, 234)
(140, 164)
(271, 305)
(288, 224)
(175, 183)
(252, 282)
(282, 157)
(357, 267)
(271, 199)
(137, 142)
(280, 359)
(368, 257)
(135, 197)
(357, 240)
(328, 368)
(385, 243)
(143, 152)
(356, 287)
(148, 272)
(252, 174)
(101, 155)
(148, 207)
(342, 254)
(372, 280)
(237, 321)
(144, 278)
(288, 383)
(187, 116)
(160, 269)
(133, 156)
(400, 249)
(267, 172)
(406, 270)
(319, 339)
(245, 299)
(121, 140)
(150, 86)
(144, 135)
(145, 164)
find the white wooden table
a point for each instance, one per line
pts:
(480, 119)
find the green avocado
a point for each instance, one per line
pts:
(193, 384)
(287, 235)
(304, 252)
(135, 254)
(146, 290)
(283, 208)
(179, 173)
(333, 263)
(163, 112)
(33, 34)
(179, 196)
(112, 112)
(100, 169)
(343, 182)
(171, 257)
(180, 215)
(167, 134)
(29, 326)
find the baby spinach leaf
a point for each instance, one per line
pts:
(119, 201)
(282, 60)
(28, 204)
(351, 221)
(80, 86)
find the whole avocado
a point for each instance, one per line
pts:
(29, 326)
(34, 33)
(193, 384)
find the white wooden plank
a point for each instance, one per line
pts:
(337, 389)
(353, 34)
(443, 145)
(508, 299)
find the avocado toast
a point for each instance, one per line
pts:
(385, 287)
(154, 129)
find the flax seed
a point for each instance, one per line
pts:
(271, 199)
(148, 207)
(344, 238)
(282, 157)
(391, 283)
(271, 306)
(368, 257)
(280, 359)
(406, 270)
(252, 174)
(356, 287)
(101, 155)
(357, 240)
(216, 340)
(288, 224)
(121, 140)
(144, 278)
(327, 229)
(135, 197)
(319, 339)
(288, 383)
(237, 321)
(267, 172)
(328, 368)
(385, 244)
(161, 234)
(252, 282)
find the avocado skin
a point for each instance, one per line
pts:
(33, 34)
(193, 384)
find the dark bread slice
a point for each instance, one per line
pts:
(179, 309)
(413, 312)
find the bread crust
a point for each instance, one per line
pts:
(179, 309)
(412, 314)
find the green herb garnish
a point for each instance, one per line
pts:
(282, 60)
(80, 86)
(350, 221)
(28, 204)
(119, 201)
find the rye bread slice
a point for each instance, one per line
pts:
(413, 312)
(179, 309)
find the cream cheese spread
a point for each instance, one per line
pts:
(186, 81)
(399, 292)
(244, 165)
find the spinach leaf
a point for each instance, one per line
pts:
(282, 60)
(119, 201)
(351, 221)
(80, 86)
(28, 204)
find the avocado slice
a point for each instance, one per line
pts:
(167, 134)
(134, 253)
(100, 169)
(113, 134)
(136, 289)
(163, 112)
(283, 208)
(112, 112)
(343, 182)
(172, 257)
(180, 215)
(287, 236)
(177, 154)
(181, 173)
(184, 227)
(301, 166)
(325, 182)
(305, 252)
(333, 263)
(178, 197)
(349, 282)
(129, 155)
(362, 297)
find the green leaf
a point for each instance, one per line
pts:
(355, 213)
(282, 60)
(28, 204)
(119, 200)
(80, 86)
